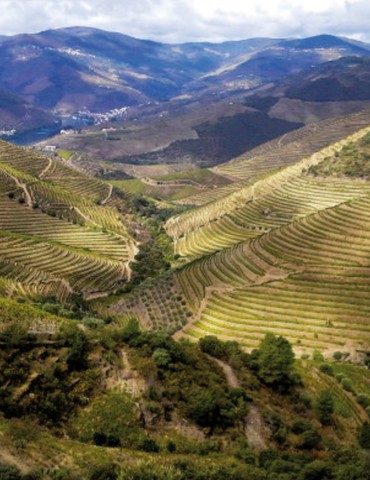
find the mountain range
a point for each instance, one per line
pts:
(79, 69)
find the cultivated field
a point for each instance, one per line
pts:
(57, 235)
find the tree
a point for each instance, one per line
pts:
(317, 470)
(325, 407)
(161, 357)
(213, 407)
(212, 345)
(74, 338)
(275, 360)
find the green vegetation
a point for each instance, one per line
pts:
(352, 161)
(70, 241)
(182, 382)
(65, 154)
(274, 361)
(272, 270)
(134, 186)
(325, 407)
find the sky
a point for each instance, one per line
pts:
(176, 21)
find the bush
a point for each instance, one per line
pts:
(318, 356)
(325, 407)
(317, 470)
(363, 400)
(310, 439)
(149, 445)
(327, 368)
(364, 436)
(346, 384)
(171, 446)
(301, 426)
(337, 356)
(74, 338)
(9, 472)
(161, 357)
(213, 407)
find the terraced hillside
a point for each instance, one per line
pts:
(279, 153)
(308, 280)
(275, 200)
(57, 235)
(292, 257)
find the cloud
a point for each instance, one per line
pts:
(191, 20)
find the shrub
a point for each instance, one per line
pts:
(149, 445)
(161, 357)
(325, 407)
(317, 470)
(105, 472)
(76, 340)
(337, 356)
(346, 384)
(301, 426)
(310, 439)
(171, 446)
(318, 356)
(364, 436)
(9, 472)
(363, 400)
(213, 407)
(327, 368)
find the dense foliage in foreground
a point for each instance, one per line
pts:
(188, 419)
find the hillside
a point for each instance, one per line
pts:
(281, 256)
(110, 365)
(84, 77)
(18, 115)
(186, 411)
(59, 236)
(212, 128)
(258, 164)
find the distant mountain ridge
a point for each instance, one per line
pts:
(73, 68)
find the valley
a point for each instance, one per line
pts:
(185, 275)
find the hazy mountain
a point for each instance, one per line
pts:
(16, 113)
(74, 68)
(341, 80)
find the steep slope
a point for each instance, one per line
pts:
(292, 259)
(259, 163)
(57, 235)
(18, 115)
